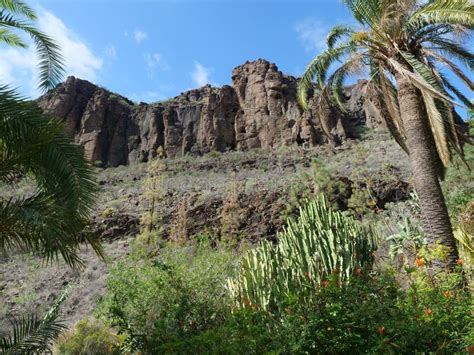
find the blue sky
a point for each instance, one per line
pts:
(152, 50)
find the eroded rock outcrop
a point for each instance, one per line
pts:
(259, 110)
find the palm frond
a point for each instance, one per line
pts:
(11, 39)
(392, 115)
(33, 335)
(428, 32)
(37, 224)
(367, 12)
(454, 50)
(453, 67)
(52, 221)
(337, 33)
(318, 68)
(438, 128)
(422, 78)
(453, 12)
(336, 81)
(468, 103)
(51, 68)
(17, 7)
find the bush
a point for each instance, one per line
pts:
(369, 314)
(322, 242)
(376, 315)
(89, 337)
(175, 295)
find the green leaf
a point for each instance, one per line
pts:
(52, 221)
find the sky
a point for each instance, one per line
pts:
(151, 50)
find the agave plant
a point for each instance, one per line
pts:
(320, 243)
(402, 45)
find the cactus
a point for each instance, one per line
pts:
(320, 243)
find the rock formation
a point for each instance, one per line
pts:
(259, 110)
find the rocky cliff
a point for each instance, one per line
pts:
(259, 110)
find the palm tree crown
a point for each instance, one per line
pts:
(408, 38)
(402, 46)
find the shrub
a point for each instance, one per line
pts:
(372, 313)
(377, 315)
(153, 191)
(87, 338)
(175, 295)
(322, 242)
(232, 215)
(180, 226)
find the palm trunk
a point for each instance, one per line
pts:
(425, 165)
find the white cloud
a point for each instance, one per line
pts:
(312, 34)
(140, 36)
(201, 74)
(111, 51)
(155, 60)
(19, 66)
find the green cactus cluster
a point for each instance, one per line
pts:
(321, 243)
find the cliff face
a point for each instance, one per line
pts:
(259, 110)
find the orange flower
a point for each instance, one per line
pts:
(460, 262)
(247, 302)
(358, 271)
(381, 330)
(420, 262)
(470, 349)
(448, 294)
(428, 312)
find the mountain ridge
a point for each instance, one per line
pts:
(259, 110)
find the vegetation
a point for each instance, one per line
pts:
(178, 302)
(89, 337)
(50, 221)
(321, 244)
(403, 43)
(158, 300)
(346, 266)
(16, 16)
(153, 191)
(35, 335)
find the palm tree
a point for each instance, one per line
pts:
(402, 45)
(49, 221)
